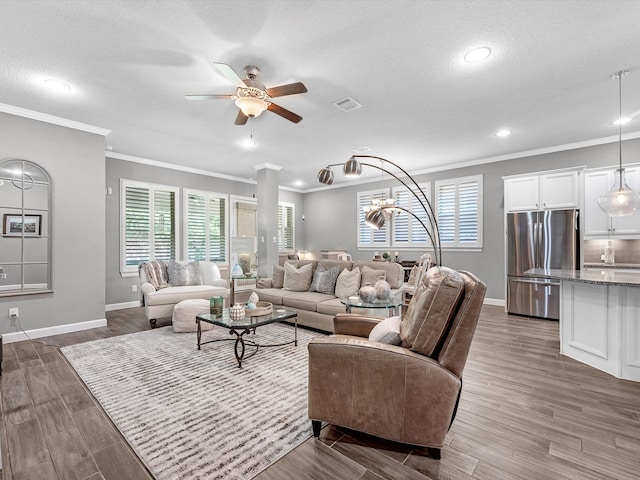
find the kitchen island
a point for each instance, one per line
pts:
(600, 318)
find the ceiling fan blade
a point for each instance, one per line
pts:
(228, 72)
(283, 112)
(208, 97)
(289, 89)
(241, 119)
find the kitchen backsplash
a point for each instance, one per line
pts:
(626, 251)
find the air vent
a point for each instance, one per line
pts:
(360, 150)
(347, 104)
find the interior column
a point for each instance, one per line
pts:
(267, 197)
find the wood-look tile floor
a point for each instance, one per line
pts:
(526, 413)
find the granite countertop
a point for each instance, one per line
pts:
(634, 266)
(607, 276)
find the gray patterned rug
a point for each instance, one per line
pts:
(192, 414)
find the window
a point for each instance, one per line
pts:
(406, 230)
(148, 223)
(367, 236)
(459, 211)
(286, 227)
(206, 226)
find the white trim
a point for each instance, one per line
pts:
(494, 301)
(120, 306)
(482, 161)
(270, 166)
(45, 117)
(172, 166)
(50, 331)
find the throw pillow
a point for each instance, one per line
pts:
(432, 308)
(181, 274)
(324, 281)
(277, 278)
(387, 331)
(371, 276)
(348, 283)
(297, 279)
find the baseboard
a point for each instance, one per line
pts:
(50, 331)
(494, 301)
(120, 306)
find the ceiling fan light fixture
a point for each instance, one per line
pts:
(352, 168)
(620, 201)
(251, 106)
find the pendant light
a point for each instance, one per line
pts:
(621, 200)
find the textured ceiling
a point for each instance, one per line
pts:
(129, 64)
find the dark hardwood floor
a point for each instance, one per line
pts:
(526, 413)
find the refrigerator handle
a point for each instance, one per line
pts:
(576, 220)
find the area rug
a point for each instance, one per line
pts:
(192, 414)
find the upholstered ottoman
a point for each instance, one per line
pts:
(184, 315)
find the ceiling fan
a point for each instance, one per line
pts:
(252, 97)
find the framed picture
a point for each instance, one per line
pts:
(13, 225)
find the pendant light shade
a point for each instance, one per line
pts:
(375, 219)
(621, 201)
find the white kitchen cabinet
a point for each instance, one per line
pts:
(547, 191)
(596, 222)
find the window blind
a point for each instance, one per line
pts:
(286, 227)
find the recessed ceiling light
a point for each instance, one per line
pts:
(503, 133)
(248, 142)
(298, 183)
(621, 121)
(477, 54)
(57, 85)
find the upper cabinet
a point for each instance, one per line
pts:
(596, 222)
(545, 191)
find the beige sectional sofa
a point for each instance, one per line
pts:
(316, 310)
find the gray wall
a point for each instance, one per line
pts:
(74, 161)
(330, 225)
(118, 288)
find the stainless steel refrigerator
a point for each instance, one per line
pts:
(541, 239)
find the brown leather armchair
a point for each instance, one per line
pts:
(407, 393)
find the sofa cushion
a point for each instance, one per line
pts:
(305, 300)
(330, 307)
(341, 264)
(172, 295)
(431, 310)
(348, 283)
(387, 331)
(181, 274)
(394, 272)
(277, 277)
(370, 276)
(273, 295)
(297, 279)
(324, 280)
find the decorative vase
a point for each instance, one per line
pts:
(383, 289)
(367, 293)
(236, 312)
(253, 298)
(236, 271)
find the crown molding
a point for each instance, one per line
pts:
(45, 117)
(269, 166)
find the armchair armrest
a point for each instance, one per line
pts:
(146, 288)
(354, 324)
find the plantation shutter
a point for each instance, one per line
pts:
(367, 236)
(407, 230)
(137, 225)
(206, 226)
(459, 211)
(149, 222)
(285, 227)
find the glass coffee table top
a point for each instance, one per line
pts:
(246, 325)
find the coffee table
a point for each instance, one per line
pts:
(393, 304)
(241, 327)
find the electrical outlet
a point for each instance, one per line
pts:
(13, 312)
(134, 288)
